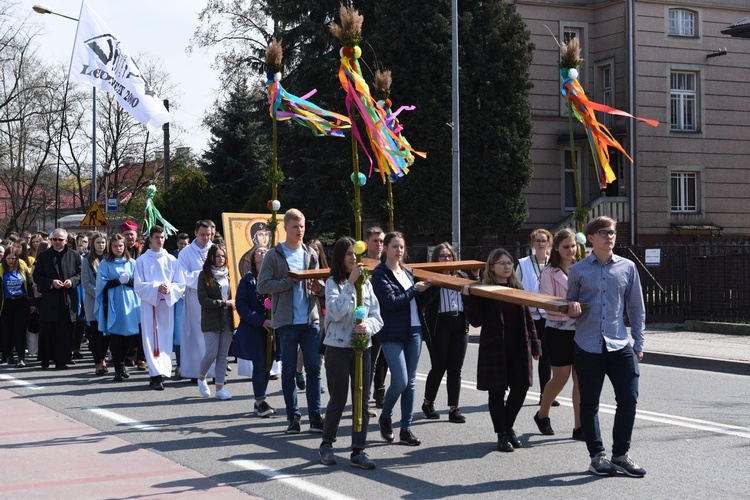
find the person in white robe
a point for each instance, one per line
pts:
(156, 283)
(191, 259)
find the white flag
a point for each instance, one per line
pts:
(100, 60)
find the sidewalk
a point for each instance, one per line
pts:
(48, 455)
(667, 346)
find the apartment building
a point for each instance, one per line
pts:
(665, 60)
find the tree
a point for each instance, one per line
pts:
(29, 105)
(238, 152)
(191, 198)
(496, 121)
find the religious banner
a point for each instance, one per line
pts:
(99, 59)
(242, 232)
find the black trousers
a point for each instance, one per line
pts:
(56, 338)
(379, 368)
(447, 352)
(98, 342)
(121, 345)
(15, 318)
(504, 412)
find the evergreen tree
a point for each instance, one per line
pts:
(238, 152)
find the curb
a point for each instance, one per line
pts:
(695, 363)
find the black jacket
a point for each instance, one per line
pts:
(45, 271)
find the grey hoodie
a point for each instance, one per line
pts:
(274, 279)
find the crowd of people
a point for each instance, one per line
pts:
(140, 306)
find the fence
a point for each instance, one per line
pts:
(708, 282)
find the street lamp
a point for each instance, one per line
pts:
(44, 9)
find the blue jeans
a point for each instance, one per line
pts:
(402, 358)
(307, 337)
(622, 369)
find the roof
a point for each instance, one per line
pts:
(740, 29)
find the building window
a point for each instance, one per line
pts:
(684, 192)
(683, 101)
(606, 92)
(569, 191)
(682, 22)
(567, 33)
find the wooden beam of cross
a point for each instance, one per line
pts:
(425, 271)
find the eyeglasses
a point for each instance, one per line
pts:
(503, 263)
(58, 239)
(445, 256)
(604, 233)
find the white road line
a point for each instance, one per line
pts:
(20, 382)
(295, 482)
(651, 416)
(121, 419)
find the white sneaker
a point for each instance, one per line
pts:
(203, 387)
(223, 394)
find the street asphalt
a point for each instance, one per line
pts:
(50, 455)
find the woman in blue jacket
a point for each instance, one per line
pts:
(401, 335)
(118, 308)
(250, 340)
(16, 304)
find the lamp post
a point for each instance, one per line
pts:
(106, 168)
(456, 170)
(44, 9)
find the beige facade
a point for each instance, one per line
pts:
(691, 175)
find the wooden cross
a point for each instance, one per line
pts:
(425, 271)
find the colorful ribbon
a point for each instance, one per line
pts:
(599, 136)
(285, 106)
(153, 216)
(392, 153)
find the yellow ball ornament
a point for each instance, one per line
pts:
(359, 247)
(357, 52)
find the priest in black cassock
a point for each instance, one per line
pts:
(57, 272)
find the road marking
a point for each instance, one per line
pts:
(651, 416)
(20, 382)
(295, 482)
(121, 419)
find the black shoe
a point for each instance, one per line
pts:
(159, 386)
(300, 380)
(503, 444)
(316, 424)
(77, 355)
(125, 373)
(513, 439)
(129, 362)
(578, 434)
(544, 425)
(100, 371)
(118, 377)
(456, 417)
(61, 367)
(45, 365)
(71, 363)
(294, 427)
(406, 437)
(386, 429)
(429, 411)
(555, 403)
(379, 398)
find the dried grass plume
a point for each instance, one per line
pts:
(570, 54)
(350, 30)
(382, 84)
(274, 55)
